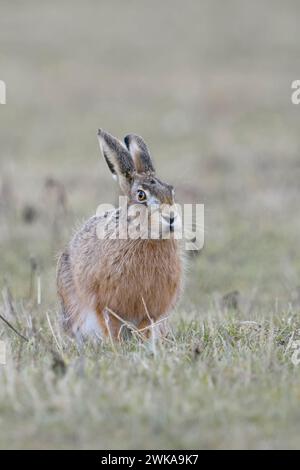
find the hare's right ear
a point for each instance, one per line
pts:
(140, 154)
(118, 159)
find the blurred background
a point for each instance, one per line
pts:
(207, 84)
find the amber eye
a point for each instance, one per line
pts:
(141, 195)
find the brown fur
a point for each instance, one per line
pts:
(135, 279)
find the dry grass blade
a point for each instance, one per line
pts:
(151, 326)
(13, 329)
(52, 331)
(129, 325)
(106, 319)
(8, 302)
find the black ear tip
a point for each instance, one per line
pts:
(127, 140)
(100, 132)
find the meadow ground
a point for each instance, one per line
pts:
(209, 87)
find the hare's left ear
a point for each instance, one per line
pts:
(140, 154)
(118, 159)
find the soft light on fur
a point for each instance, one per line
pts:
(139, 280)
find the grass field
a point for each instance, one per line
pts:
(209, 88)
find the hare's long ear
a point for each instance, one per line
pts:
(118, 159)
(140, 154)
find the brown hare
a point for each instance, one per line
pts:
(105, 281)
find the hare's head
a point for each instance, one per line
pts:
(131, 165)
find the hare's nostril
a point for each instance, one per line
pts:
(168, 219)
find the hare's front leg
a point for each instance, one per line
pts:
(148, 327)
(145, 328)
(110, 325)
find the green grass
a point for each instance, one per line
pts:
(218, 382)
(208, 87)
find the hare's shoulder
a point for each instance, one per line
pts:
(88, 230)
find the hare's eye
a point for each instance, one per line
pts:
(141, 195)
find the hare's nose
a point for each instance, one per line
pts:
(170, 219)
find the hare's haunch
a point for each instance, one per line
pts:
(106, 281)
